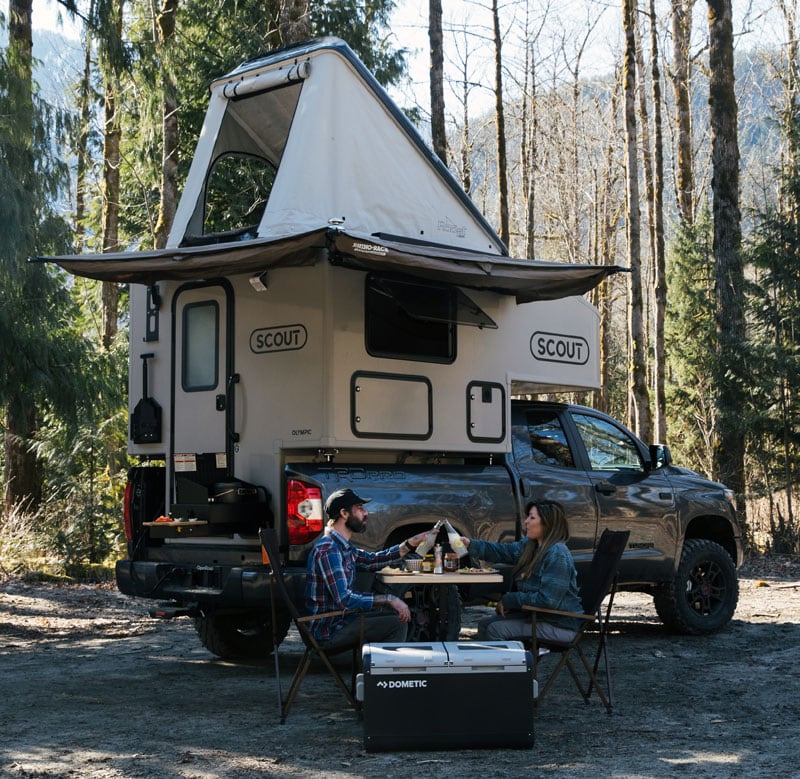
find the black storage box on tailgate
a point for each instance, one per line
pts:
(447, 695)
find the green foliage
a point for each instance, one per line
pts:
(364, 25)
(690, 341)
(53, 375)
(774, 308)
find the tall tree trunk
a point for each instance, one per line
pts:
(82, 149)
(438, 133)
(638, 388)
(791, 88)
(530, 135)
(791, 208)
(22, 476)
(646, 149)
(165, 25)
(23, 471)
(294, 22)
(659, 261)
(111, 161)
(502, 165)
(681, 86)
(608, 219)
(466, 143)
(729, 439)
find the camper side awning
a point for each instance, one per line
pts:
(527, 280)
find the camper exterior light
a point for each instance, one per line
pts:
(259, 282)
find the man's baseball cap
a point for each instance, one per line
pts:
(342, 499)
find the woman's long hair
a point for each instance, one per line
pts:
(556, 530)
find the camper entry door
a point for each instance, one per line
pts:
(203, 384)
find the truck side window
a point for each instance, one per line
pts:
(542, 440)
(609, 448)
(200, 346)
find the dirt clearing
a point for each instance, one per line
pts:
(91, 687)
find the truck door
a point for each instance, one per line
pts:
(203, 382)
(629, 496)
(550, 470)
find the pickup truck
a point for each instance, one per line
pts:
(685, 544)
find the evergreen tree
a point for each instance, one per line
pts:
(49, 370)
(690, 345)
(30, 181)
(774, 305)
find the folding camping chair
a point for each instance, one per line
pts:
(595, 585)
(269, 543)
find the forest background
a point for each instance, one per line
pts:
(662, 136)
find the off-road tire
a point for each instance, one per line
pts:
(703, 595)
(242, 636)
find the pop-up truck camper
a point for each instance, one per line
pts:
(331, 309)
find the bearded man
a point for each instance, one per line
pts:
(330, 573)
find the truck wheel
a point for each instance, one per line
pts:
(240, 636)
(703, 595)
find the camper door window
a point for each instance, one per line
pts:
(200, 346)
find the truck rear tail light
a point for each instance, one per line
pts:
(126, 511)
(304, 518)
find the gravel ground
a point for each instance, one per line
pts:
(90, 687)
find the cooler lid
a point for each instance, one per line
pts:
(478, 654)
(404, 656)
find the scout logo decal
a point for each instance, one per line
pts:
(559, 347)
(281, 338)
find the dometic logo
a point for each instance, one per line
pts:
(369, 248)
(404, 683)
(281, 338)
(557, 347)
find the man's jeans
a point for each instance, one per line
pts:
(379, 626)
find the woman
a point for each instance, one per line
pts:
(544, 575)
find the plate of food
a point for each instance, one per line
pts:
(389, 571)
(477, 570)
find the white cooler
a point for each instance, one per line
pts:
(447, 695)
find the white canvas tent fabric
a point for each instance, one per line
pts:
(345, 155)
(343, 150)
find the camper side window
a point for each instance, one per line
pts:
(200, 346)
(408, 320)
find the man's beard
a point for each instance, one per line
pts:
(355, 525)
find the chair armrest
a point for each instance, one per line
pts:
(542, 610)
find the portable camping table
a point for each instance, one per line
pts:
(433, 590)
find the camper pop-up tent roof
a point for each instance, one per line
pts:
(304, 157)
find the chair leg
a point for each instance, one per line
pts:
(339, 681)
(278, 680)
(553, 676)
(297, 679)
(593, 683)
(575, 678)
